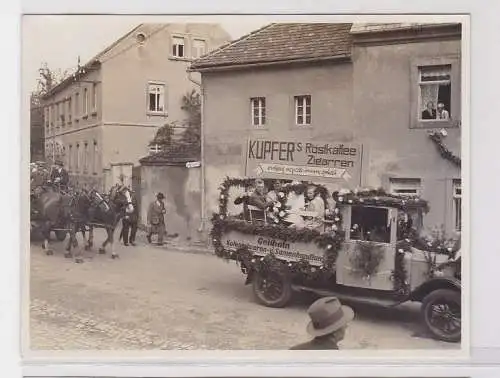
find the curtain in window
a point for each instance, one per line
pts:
(428, 93)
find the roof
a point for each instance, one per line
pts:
(360, 28)
(97, 59)
(172, 156)
(282, 43)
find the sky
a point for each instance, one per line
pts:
(59, 40)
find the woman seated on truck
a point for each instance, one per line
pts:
(314, 205)
(295, 204)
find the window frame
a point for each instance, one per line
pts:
(94, 98)
(405, 183)
(70, 109)
(85, 103)
(70, 157)
(304, 106)
(455, 97)
(262, 111)
(95, 157)
(174, 51)
(77, 106)
(194, 48)
(77, 157)
(148, 100)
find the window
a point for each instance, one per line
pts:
(155, 148)
(156, 98)
(77, 157)
(46, 117)
(77, 105)
(94, 97)
(435, 92)
(70, 109)
(178, 47)
(56, 116)
(303, 110)
(85, 157)
(457, 204)
(70, 157)
(96, 158)
(85, 101)
(199, 48)
(62, 115)
(405, 186)
(258, 111)
(370, 224)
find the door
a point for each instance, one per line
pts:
(367, 257)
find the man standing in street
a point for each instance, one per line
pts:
(156, 218)
(329, 320)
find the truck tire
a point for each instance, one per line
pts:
(441, 313)
(272, 289)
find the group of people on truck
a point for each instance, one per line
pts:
(303, 209)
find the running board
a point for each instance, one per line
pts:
(388, 303)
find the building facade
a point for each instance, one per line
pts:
(345, 83)
(100, 120)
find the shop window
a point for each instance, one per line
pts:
(370, 224)
(258, 105)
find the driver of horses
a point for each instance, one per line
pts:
(59, 176)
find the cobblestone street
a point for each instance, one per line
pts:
(160, 298)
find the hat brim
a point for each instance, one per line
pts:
(348, 317)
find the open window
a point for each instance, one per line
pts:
(370, 224)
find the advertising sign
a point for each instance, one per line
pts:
(263, 245)
(303, 160)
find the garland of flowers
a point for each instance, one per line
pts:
(367, 258)
(330, 241)
(379, 197)
(437, 138)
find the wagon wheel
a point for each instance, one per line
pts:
(441, 310)
(272, 289)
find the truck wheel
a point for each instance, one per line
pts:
(60, 235)
(442, 314)
(272, 289)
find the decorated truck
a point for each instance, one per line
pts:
(360, 245)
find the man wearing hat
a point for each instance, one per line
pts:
(329, 320)
(59, 175)
(156, 218)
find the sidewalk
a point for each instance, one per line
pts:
(178, 244)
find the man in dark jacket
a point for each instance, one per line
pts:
(329, 320)
(156, 218)
(429, 112)
(59, 175)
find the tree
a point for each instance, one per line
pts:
(49, 78)
(190, 139)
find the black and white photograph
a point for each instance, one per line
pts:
(244, 183)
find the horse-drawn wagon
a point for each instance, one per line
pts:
(362, 245)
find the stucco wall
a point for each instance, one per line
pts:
(366, 101)
(127, 72)
(181, 187)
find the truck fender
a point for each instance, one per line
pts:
(435, 283)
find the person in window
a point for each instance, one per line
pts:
(429, 112)
(442, 113)
(317, 205)
(295, 203)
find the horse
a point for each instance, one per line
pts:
(103, 213)
(56, 210)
